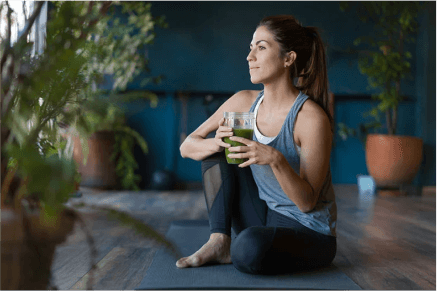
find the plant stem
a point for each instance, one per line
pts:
(32, 19)
(395, 117)
(388, 120)
(8, 36)
(8, 94)
(93, 22)
(387, 112)
(398, 81)
(7, 182)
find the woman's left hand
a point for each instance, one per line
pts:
(256, 152)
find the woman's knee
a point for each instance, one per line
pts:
(249, 249)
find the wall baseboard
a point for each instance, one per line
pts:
(188, 186)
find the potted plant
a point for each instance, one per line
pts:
(108, 161)
(392, 160)
(37, 172)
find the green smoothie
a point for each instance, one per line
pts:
(246, 133)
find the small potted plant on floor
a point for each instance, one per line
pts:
(37, 176)
(392, 160)
(106, 159)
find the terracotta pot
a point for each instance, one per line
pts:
(28, 247)
(393, 160)
(99, 170)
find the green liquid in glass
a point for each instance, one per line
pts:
(246, 133)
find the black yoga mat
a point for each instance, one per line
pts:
(190, 235)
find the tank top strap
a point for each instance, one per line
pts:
(252, 108)
(292, 114)
(300, 100)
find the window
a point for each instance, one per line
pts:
(22, 10)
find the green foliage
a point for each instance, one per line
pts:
(102, 115)
(85, 41)
(363, 129)
(50, 178)
(123, 155)
(384, 56)
(60, 88)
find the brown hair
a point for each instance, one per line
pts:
(309, 69)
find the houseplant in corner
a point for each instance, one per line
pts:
(37, 176)
(392, 160)
(109, 161)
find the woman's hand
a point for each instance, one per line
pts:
(222, 132)
(256, 152)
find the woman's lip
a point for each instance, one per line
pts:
(253, 68)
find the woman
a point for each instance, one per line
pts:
(280, 203)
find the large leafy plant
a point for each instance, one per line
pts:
(85, 41)
(113, 118)
(385, 58)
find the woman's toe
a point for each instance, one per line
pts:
(182, 263)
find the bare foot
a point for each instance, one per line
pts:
(217, 249)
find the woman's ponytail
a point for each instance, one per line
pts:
(313, 80)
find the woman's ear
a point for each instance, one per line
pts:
(291, 57)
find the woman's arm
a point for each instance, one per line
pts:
(316, 144)
(297, 189)
(196, 146)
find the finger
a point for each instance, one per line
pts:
(242, 149)
(240, 139)
(237, 155)
(245, 164)
(223, 144)
(220, 141)
(221, 126)
(225, 134)
(224, 128)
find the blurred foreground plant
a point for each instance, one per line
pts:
(41, 95)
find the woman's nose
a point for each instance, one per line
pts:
(249, 57)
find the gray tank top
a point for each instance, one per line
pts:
(323, 217)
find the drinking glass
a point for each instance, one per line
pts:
(242, 124)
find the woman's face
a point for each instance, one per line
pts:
(265, 62)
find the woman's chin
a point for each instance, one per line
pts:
(255, 81)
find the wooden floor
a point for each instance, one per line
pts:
(384, 243)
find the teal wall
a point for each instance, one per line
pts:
(204, 50)
(426, 93)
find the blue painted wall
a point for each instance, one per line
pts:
(205, 49)
(426, 93)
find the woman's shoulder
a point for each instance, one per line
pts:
(251, 95)
(310, 112)
(310, 109)
(245, 98)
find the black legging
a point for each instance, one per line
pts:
(267, 242)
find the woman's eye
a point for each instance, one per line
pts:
(259, 47)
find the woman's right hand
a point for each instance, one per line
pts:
(222, 132)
